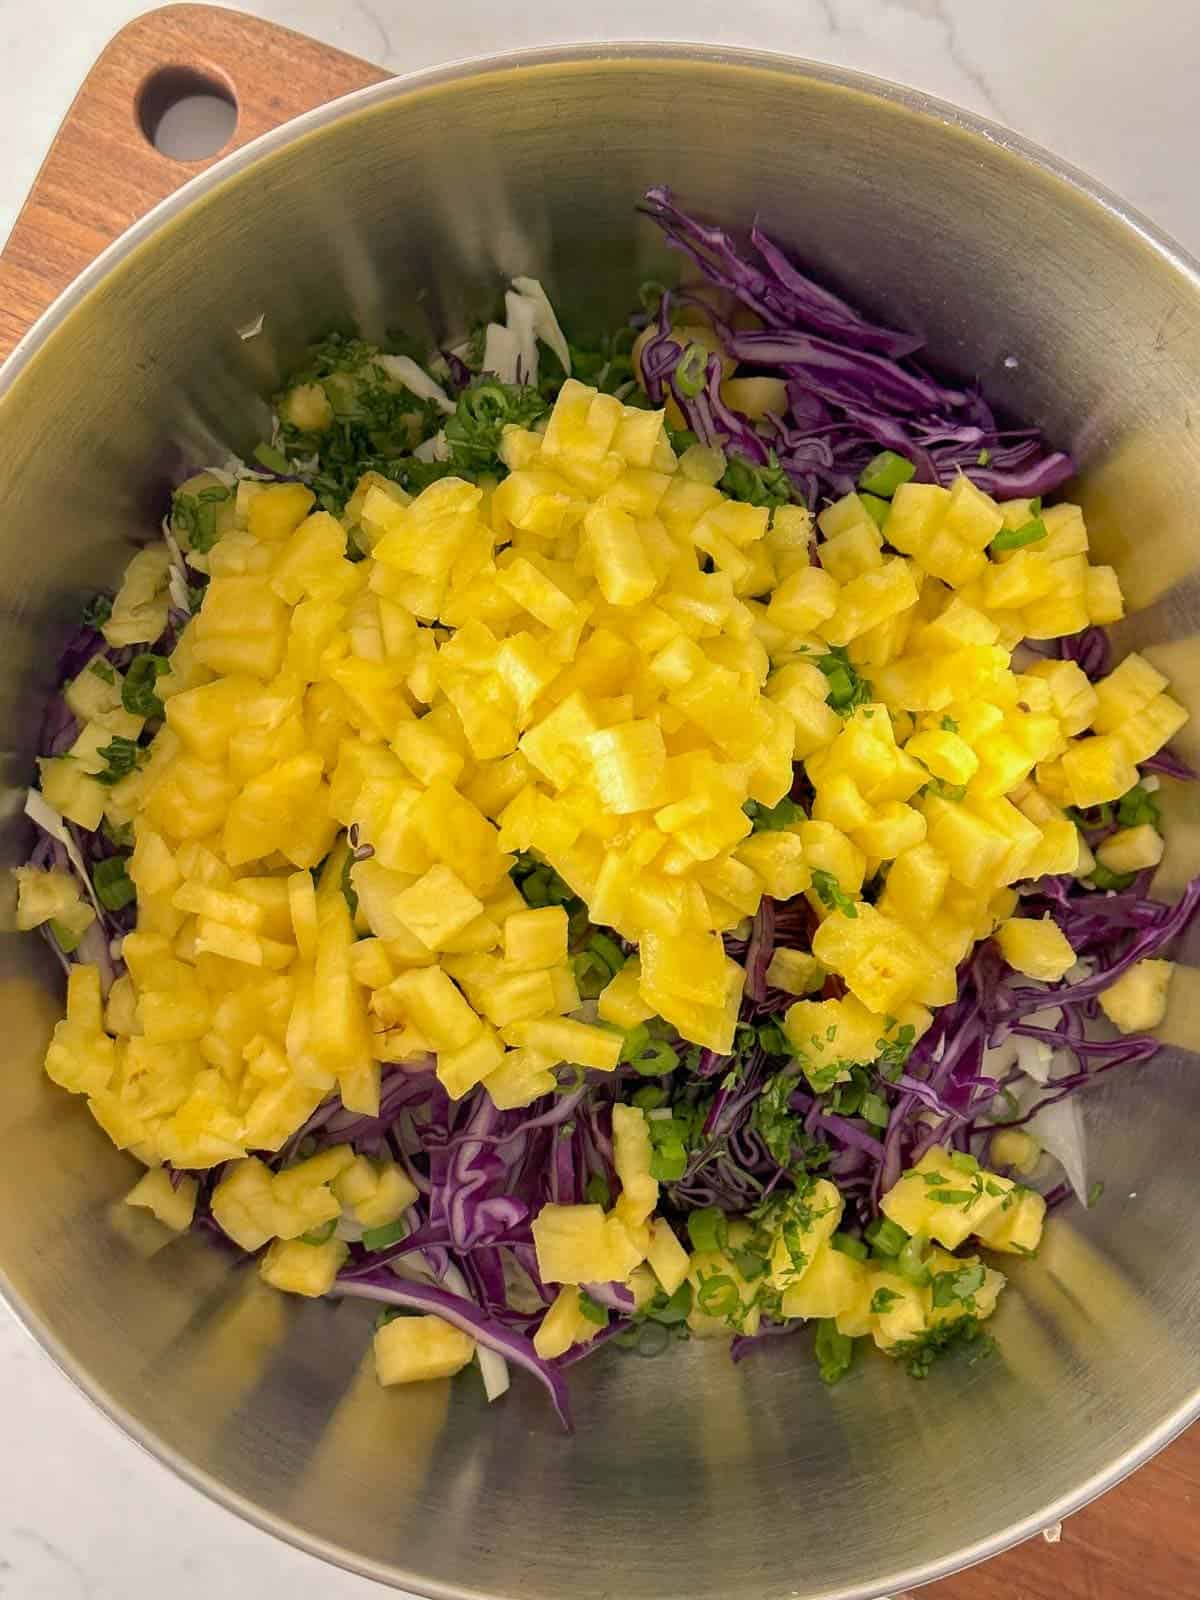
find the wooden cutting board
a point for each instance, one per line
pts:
(1141, 1541)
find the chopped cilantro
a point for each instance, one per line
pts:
(960, 1286)
(894, 1053)
(962, 1333)
(834, 1351)
(1094, 1193)
(881, 1300)
(195, 515)
(829, 892)
(137, 691)
(97, 610)
(597, 1191)
(949, 725)
(847, 691)
(758, 486)
(102, 669)
(773, 819)
(119, 834)
(121, 758)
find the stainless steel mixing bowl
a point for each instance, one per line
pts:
(409, 204)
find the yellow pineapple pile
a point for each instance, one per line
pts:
(601, 659)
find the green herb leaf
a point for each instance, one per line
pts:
(847, 690)
(597, 1191)
(194, 516)
(829, 892)
(592, 1309)
(137, 691)
(273, 460)
(97, 610)
(834, 1351)
(962, 1333)
(102, 670)
(881, 1300)
(773, 819)
(121, 758)
(948, 725)
(951, 1288)
(1094, 1193)
(757, 486)
(112, 883)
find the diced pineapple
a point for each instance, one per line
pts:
(1131, 849)
(1016, 1228)
(794, 971)
(829, 1287)
(667, 1257)
(563, 1325)
(419, 1349)
(1137, 1000)
(299, 1268)
(944, 1198)
(1038, 949)
(172, 1202)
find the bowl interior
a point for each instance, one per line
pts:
(688, 1477)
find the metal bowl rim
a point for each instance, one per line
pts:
(463, 70)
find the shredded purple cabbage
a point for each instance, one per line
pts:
(853, 387)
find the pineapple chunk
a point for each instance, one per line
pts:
(1131, 849)
(563, 1325)
(174, 1204)
(572, 1244)
(1137, 1000)
(942, 1200)
(830, 1285)
(299, 1268)
(418, 1349)
(794, 971)
(1038, 949)
(1015, 1229)
(667, 1257)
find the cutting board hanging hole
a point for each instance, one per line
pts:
(187, 114)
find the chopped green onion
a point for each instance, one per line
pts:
(649, 1098)
(877, 509)
(963, 1161)
(847, 690)
(982, 459)
(884, 474)
(608, 950)
(102, 670)
(886, 1237)
(834, 1351)
(668, 1162)
(691, 374)
(913, 1261)
(1104, 878)
(708, 1229)
(112, 883)
(274, 460)
(322, 1234)
(380, 1238)
(719, 1295)
(849, 1244)
(1015, 538)
(592, 1309)
(597, 1191)
(1136, 807)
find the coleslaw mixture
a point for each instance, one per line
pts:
(613, 844)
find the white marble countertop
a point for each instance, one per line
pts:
(1108, 84)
